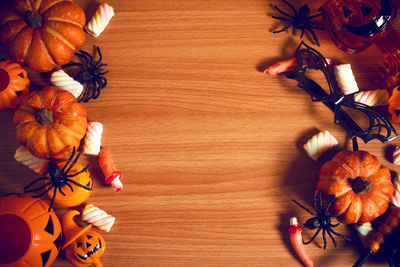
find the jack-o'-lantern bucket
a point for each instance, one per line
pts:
(30, 235)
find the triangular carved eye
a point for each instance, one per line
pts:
(88, 245)
(45, 257)
(89, 237)
(50, 226)
(365, 10)
(347, 12)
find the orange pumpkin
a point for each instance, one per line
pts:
(394, 105)
(42, 34)
(30, 235)
(362, 186)
(14, 84)
(83, 246)
(50, 123)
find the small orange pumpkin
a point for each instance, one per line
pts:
(29, 234)
(361, 185)
(14, 84)
(50, 123)
(394, 105)
(83, 246)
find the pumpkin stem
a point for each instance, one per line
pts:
(44, 116)
(34, 20)
(360, 185)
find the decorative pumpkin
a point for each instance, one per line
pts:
(14, 84)
(394, 105)
(83, 246)
(43, 34)
(50, 123)
(30, 235)
(354, 24)
(361, 185)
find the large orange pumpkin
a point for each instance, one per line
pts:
(42, 34)
(14, 84)
(362, 186)
(50, 123)
(29, 234)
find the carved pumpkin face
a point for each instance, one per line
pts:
(29, 234)
(89, 247)
(354, 24)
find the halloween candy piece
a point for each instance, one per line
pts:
(100, 20)
(30, 235)
(373, 98)
(364, 231)
(110, 172)
(285, 66)
(345, 79)
(65, 82)
(297, 242)
(97, 217)
(83, 246)
(320, 143)
(395, 198)
(396, 156)
(93, 138)
(25, 157)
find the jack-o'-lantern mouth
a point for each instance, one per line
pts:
(90, 252)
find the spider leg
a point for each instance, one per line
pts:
(280, 18)
(291, 7)
(334, 225)
(282, 12)
(314, 16)
(329, 204)
(302, 33)
(97, 88)
(100, 55)
(67, 184)
(89, 57)
(78, 184)
(61, 192)
(312, 238)
(330, 235)
(73, 64)
(83, 96)
(317, 207)
(35, 181)
(52, 199)
(44, 192)
(285, 28)
(304, 208)
(38, 188)
(340, 235)
(84, 57)
(69, 160)
(313, 35)
(81, 171)
(73, 163)
(324, 237)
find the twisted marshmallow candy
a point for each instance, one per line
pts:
(93, 138)
(395, 198)
(372, 98)
(396, 156)
(345, 79)
(65, 82)
(100, 20)
(97, 217)
(25, 157)
(320, 143)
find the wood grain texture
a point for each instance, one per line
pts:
(209, 146)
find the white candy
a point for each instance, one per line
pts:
(396, 156)
(395, 198)
(364, 231)
(25, 157)
(345, 79)
(97, 217)
(320, 143)
(93, 138)
(372, 98)
(65, 82)
(100, 20)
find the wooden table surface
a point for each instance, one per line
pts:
(209, 146)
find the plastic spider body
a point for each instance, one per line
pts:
(92, 74)
(57, 179)
(321, 220)
(299, 20)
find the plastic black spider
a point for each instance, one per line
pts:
(57, 179)
(299, 20)
(92, 74)
(321, 220)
